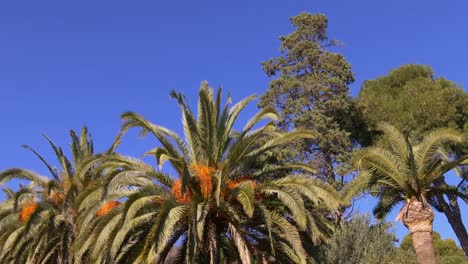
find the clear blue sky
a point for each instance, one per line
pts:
(64, 64)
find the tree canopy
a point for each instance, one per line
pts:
(216, 208)
(310, 90)
(413, 100)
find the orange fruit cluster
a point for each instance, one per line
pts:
(107, 207)
(177, 192)
(27, 211)
(231, 185)
(204, 175)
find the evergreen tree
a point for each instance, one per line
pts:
(414, 101)
(311, 91)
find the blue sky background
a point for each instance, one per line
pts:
(64, 64)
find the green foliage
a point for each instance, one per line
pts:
(217, 208)
(403, 171)
(414, 101)
(256, 195)
(446, 250)
(59, 206)
(229, 200)
(311, 91)
(360, 241)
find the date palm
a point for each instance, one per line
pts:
(218, 209)
(10, 213)
(47, 224)
(407, 173)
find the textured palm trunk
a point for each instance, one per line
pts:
(418, 218)
(213, 244)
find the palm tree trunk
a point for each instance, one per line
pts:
(423, 245)
(213, 243)
(418, 219)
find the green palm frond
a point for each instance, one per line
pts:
(48, 234)
(399, 143)
(23, 174)
(220, 204)
(384, 163)
(226, 200)
(245, 196)
(430, 146)
(405, 172)
(388, 200)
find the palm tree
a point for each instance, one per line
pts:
(218, 209)
(406, 173)
(50, 217)
(17, 206)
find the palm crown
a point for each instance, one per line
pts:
(49, 209)
(218, 209)
(405, 172)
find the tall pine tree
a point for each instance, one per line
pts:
(310, 90)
